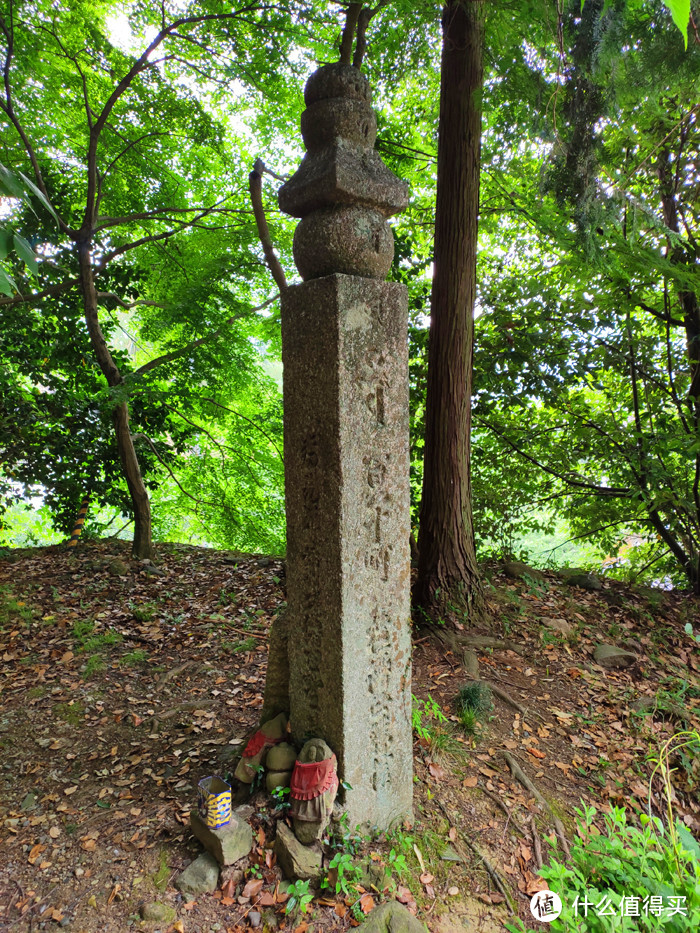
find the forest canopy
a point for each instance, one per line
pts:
(140, 347)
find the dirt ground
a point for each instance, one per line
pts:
(122, 684)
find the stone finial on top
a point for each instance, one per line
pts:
(342, 191)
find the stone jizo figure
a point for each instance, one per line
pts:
(313, 791)
(255, 752)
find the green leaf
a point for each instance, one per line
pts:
(26, 253)
(10, 185)
(39, 195)
(7, 284)
(5, 243)
(680, 12)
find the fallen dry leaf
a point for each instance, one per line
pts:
(228, 889)
(437, 772)
(367, 903)
(253, 887)
(470, 781)
(35, 852)
(453, 891)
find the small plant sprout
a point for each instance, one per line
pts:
(299, 897)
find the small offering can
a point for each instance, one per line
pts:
(214, 802)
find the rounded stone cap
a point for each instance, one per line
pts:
(338, 118)
(352, 240)
(337, 80)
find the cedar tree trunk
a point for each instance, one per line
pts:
(688, 300)
(142, 546)
(447, 570)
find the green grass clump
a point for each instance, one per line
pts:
(476, 697)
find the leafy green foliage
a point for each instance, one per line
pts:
(625, 861)
(299, 897)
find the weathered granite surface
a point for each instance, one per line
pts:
(348, 558)
(344, 347)
(342, 190)
(295, 859)
(227, 844)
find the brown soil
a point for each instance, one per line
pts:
(120, 692)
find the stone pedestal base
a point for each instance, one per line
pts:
(345, 357)
(228, 844)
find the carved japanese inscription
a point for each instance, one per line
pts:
(344, 339)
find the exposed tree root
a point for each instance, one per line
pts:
(520, 775)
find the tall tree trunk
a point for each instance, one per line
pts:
(447, 570)
(142, 546)
(690, 306)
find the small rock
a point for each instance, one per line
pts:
(392, 917)
(231, 875)
(295, 860)
(585, 581)
(281, 757)
(156, 912)
(275, 779)
(200, 877)
(118, 568)
(152, 571)
(244, 812)
(263, 562)
(228, 844)
(254, 918)
(632, 644)
(29, 802)
(610, 657)
(558, 625)
(517, 570)
(471, 663)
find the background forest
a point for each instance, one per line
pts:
(135, 290)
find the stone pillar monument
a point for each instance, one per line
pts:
(344, 348)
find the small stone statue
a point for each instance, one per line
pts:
(279, 763)
(255, 752)
(313, 791)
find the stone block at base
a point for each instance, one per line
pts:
(298, 862)
(200, 877)
(228, 844)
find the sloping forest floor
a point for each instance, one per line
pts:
(123, 684)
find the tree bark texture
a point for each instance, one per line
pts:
(142, 546)
(447, 570)
(689, 557)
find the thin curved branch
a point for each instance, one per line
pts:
(273, 263)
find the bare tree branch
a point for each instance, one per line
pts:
(352, 14)
(618, 492)
(273, 263)
(366, 15)
(165, 212)
(37, 297)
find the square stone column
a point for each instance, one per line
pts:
(345, 358)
